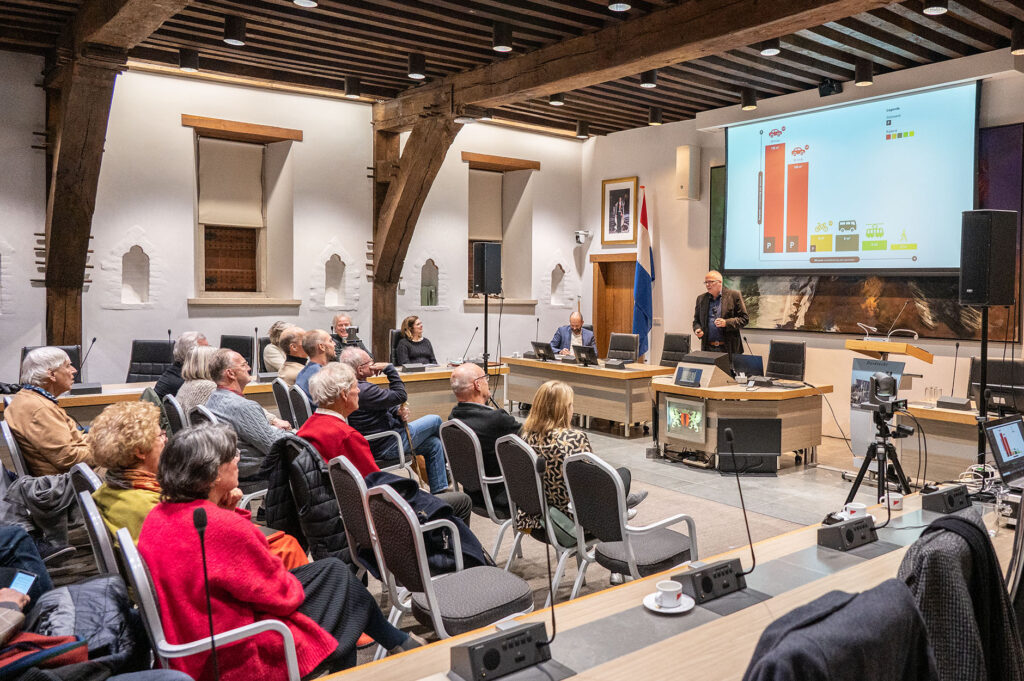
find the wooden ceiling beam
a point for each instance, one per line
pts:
(676, 34)
(962, 31)
(119, 24)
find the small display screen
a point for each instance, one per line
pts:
(23, 581)
(1006, 439)
(685, 419)
(688, 376)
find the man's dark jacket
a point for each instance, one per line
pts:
(378, 409)
(488, 424)
(734, 312)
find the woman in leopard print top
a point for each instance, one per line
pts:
(547, 429)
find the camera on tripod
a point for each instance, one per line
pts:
(882, 400)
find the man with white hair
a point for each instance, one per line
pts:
(341, 336)
(472, 390)
(171, 379)
(50, 440)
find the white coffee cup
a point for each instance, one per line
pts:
(670, 593)
(895, 501)
(855, 509)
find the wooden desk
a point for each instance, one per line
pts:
(952, 437)
(429, 393)
(613, 394)
(799, 409)
(714, 648)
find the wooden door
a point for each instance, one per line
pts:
(613, 296)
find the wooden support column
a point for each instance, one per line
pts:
(87, 86)
(400, 209)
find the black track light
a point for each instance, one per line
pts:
(582, 130)
(352, 87)
(863, 72)
(557, 99)
(188, 60)
(417, 66)
(1017, 39)
(615, 6)
(234, 30)
(654, 116)
(748, 99)
(936, 7)
(769, 48)
(502, 38)
(649, 79)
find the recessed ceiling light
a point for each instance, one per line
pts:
(936, 7)
(619, 6)
(305, 3)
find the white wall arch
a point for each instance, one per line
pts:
(111, 276)
(345, 297)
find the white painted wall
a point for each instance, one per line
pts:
(22, 207)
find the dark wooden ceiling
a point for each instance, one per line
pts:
(371, 39)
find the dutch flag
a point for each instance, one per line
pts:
(643, 283)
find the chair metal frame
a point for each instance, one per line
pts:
(84, 479)
(564, 552)
(284, 404)
(20, 467)
(205, 416)
(99, 536)
(171, 405)
(483, 480)
(145, 596)
(402, 461)
(297, 398)
(626, 530)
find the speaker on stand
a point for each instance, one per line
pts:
(988, 249)
(486, 278)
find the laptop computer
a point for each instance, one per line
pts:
(747, 365)
(1006, 439)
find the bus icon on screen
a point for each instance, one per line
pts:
(847, 226)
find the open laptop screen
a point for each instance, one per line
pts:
(1006, 438)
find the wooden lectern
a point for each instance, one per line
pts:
(881, 349)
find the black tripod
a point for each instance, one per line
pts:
(881, 450)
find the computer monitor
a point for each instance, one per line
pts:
(1006, 439)
(1005, 380)
(748, 365)
(585, 354)
(543, 351)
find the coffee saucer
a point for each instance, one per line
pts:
(685, 605)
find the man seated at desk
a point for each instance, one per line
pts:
(51, 441)
(383, 408)
(572, 334)
(341, 336)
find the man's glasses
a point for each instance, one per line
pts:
(712, 282)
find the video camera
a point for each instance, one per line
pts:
(882, 400)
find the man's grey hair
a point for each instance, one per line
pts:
(312, 339)
(183, 346)
(290, 336)
(331, 382)
(340, 315)
(352, 356)
(38, 364)
(192, 459)
(221, 362)
(461, 382)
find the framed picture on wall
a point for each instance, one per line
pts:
(618, 211)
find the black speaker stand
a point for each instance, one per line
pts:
(983, 389)
(884, 452)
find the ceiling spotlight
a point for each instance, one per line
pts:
(557, 99)
(487, 115)
(582, 130)
(748, 99)
(863, 72)
(769, 48)
(352, 87)
(936, 7)
(188, 60)
(654, 116)
(417, 66)
(1017, 39)
(619, 6)
(649, 79)
(502, 38)
(305, 3)
(234, 30)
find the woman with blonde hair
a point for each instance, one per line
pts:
(412, 347)
(198, 385)
(273, 355)
(126, 439)
(548, 429)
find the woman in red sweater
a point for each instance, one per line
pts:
(322, 603)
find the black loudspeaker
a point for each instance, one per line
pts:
(988, 247)
(486, 267)
(713, 580)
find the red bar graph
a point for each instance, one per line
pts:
(774, 196)
(1006, 445)
(796, 209)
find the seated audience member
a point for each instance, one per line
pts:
(341, 336)
(295, 356)
(230, 372)
(273, 355)
(198, 385)
(412, 347)
(383, 408)
(319, 347)
(127, 441)
(19, 552)
(50, 440)
(547, 430)
(322, 603)
(469, 383)
(572, 334)
(336, 394)
(171, 379)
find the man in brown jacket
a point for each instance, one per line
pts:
(49, 439)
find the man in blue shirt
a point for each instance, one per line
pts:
(571, 334)
(319, 347)
(719, 316)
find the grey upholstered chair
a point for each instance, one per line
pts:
(394, 335)
(462, 448)
(284, 405)
(301, 408)
(786, 360)
(148, 360)
(452, 603)
(200, 415)
(145, 595)
(518, 464)
(624, 346)
(12, 446)
(176, 418)
(599, 504)
(99, 537)
(675, 347)
(243, 345)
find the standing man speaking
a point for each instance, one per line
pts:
(719, 316)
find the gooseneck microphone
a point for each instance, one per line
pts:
(199, 520)
(169, 341)
(732, 450)
(471, 338)
(542, 465)
(536, 333)
(748, 345)
(86, 355)
(952, 385)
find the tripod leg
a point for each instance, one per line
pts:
(904, 483)
(869, 456)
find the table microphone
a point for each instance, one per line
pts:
(169, 341)
(86, 356)
(952, 385)
(748, 345)
(199, 520)
(536, 334)
(735, 469)
(542, 465)
(475, 329)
